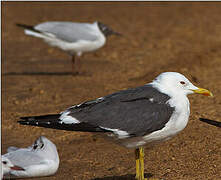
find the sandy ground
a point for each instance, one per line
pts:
(158, 37)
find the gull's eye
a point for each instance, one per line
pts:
(182, 82)
(4, 162)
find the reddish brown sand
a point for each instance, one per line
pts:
(158, 37)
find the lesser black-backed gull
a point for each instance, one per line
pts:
(74, 38)
(40, 159)
(134, 117)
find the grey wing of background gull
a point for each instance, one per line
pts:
(24, 158)
(68, 31)
(12, 148)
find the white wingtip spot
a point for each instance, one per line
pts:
(65, 118)
(151, 99)
(121, 134)
(100, 98)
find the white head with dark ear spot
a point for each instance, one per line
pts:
(7, 166)
(173, 84)
(39, 144)
(106, 30)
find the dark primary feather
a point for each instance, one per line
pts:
(45, 118)
(128, 110)
(53, 122)
(211, 122)
(28, 27)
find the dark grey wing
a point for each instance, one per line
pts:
(68, 31)
(136, 111)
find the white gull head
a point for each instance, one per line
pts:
(176, 84)
(6, 165)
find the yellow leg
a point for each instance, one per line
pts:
(141, 163)
(139, 155)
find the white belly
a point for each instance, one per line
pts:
(77, 47)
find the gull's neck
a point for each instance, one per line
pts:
(170, 91)
(180, 102)
(178, 99)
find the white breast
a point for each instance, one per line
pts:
(177, 123)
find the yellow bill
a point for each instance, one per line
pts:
(202, 91)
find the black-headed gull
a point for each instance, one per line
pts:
(40, 159)
(74, 38)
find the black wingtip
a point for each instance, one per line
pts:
(23, 118)
(26, 118)
(24, 26)
(29, 27)
(41, 117)
(23, 122)
(19, 25)
(211, 122)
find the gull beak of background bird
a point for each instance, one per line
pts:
(17, 168)
(117, 33)
(202, 91)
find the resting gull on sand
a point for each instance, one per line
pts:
(40, 159)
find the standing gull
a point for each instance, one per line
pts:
(74, 38)
(40, 159)
(133, 118)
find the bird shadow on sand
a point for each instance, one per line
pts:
(211, 122)
(123, 177)
(46, 74)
